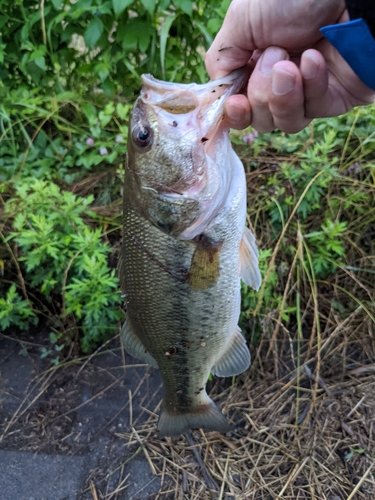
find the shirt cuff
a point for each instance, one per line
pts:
(355, 43)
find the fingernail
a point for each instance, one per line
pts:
(309, 66)
(269, 57)
(282, 82)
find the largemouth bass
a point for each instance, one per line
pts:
(185, 246)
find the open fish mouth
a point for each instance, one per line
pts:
(182, 99)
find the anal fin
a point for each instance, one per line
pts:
(134, 346)
(250, 273)
(236, 358)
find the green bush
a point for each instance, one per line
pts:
(313, 211)
(65, 260)
(104, 44)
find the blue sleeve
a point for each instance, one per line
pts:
(353, 40)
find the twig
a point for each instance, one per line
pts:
(211, 483)
(291, 477)
(93, 491)
(359, 484)
(43, 25)
(356, 406)
(145, 451)
(19, 273)
(320, 381)
(224, 478)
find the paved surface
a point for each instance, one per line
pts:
(57, 428)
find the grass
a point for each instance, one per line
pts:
(304, 430)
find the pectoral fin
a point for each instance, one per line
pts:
(250, 273)
(236, 358)
(134, 346)
(204, 269)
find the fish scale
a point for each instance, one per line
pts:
(183, 289)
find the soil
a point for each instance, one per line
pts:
(59, 425)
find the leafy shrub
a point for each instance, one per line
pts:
(70, 71)
(79, 46)
(65, 259)
(69, 74)
(15, 311)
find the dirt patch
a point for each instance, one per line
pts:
(71, 413)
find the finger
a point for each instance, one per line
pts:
(237, 112)
(233, 45)
(335, 89)
(259, 88)
(315, 81)
(286, 98)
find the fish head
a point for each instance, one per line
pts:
(175, 149)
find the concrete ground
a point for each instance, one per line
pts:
(59, 428)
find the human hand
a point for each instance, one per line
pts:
(289, 86)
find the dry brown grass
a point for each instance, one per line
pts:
(300, 435)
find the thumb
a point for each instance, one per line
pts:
(233, 45)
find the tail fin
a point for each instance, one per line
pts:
(206, 416)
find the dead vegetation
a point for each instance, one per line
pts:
(303, 432)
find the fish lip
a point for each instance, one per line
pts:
(237, 78)
(152, 87)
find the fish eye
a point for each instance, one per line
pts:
(142, 136)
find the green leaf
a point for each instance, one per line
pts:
(129, 37)
(108, 87)
(120, 5)
(41, 63)
(214, 25)
(66, 96)
(149, 5)
(93, 32)
(53, 337)
(185, 5)
(90, 111)
(123, 111)
(57, 3)
(202, 28)
(103, 70)
(164, 32)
